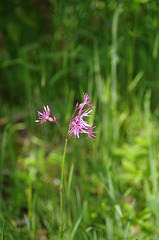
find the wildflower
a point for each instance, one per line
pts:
(45, 116)
(91, 133)
(75, 129)
(86, 102)
(78, 124)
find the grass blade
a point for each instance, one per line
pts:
(75, 228)
(126, 235)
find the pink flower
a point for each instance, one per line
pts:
(75, 129)
(45, 116)
(91, 133)
(78, 124)
(86, 102)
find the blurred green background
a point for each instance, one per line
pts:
(50, 53)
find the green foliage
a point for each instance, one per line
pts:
(51, 52)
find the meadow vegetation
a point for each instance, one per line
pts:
(50, 53)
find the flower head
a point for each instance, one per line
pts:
(78, 124)
(75, 129)
(91, 133)
(45, 116)
(86, 102)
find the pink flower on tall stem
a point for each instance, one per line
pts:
(78, 125)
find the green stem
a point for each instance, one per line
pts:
(61, 189)
(61, 130)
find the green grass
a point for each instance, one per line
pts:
(52, 52)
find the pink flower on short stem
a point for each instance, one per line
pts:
(45, 116)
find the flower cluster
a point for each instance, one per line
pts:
(77, 123)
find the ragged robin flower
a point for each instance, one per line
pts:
(77, 123)
(45, 116)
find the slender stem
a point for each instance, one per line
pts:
(61, 130)
(61, 189)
